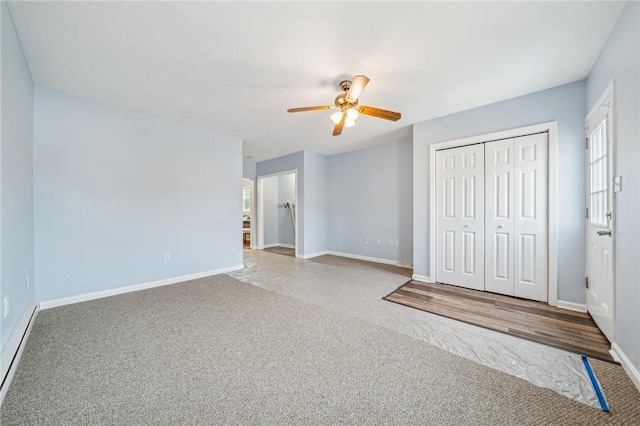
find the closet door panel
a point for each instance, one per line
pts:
(530, 280)
(460, 216)
(499, 216)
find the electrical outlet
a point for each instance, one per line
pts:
(167, 257)
(26, 281)
(379, 241)
(6, 306)
(397, 243)
(390, 243)
(365, 240)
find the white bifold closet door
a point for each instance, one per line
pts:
(495, 195)
(516, 217)
(460, 216)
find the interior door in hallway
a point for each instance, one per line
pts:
(460, 216)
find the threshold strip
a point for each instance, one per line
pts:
(596, 384)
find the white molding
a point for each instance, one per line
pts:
(48, 304)
(572, 306)
(421, 278)
(309, 256)
(552, 230)
(629, 368)
(552, 128)
(608, 91)
(15, 347)
(367, 258)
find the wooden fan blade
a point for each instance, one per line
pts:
(356, 87)
(380, 113)
(313, 108)
(338, 129)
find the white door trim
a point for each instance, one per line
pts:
(552, 236)
(260, 204)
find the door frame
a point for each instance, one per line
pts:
(552, 231)
(260, 208)
(609, 94)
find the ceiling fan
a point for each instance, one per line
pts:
(347, 107)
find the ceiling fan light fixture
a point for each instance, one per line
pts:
(336, 117)
(348, 122)
(352, 114)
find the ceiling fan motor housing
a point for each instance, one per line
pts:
(342, 102)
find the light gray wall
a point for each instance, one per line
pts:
(115, 189)
(248, 169)
(370, 196)
(316, 226)
(270, 197)
(564, 104)
(286, 192)
(619, 61)
(16, 177)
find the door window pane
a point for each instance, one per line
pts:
(599, 175)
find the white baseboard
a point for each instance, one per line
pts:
(579, 307)
(48, 304)
(402, 264)
(421, 278)
(629, 368)
(12, 353)
(309, 256)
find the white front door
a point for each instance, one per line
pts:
(599, 226)
(516, 217)
(460, 216)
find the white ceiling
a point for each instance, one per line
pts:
(235, 68)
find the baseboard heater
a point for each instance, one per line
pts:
(5, 381)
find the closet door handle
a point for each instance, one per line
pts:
(466, 225)
(500, 226)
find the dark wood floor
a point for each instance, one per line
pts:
(282, 250)
(537, 321)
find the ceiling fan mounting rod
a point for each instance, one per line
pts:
(345, 85)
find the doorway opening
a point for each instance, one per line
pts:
(277, 213)
(247, 213)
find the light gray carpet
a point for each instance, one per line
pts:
(218, 351)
